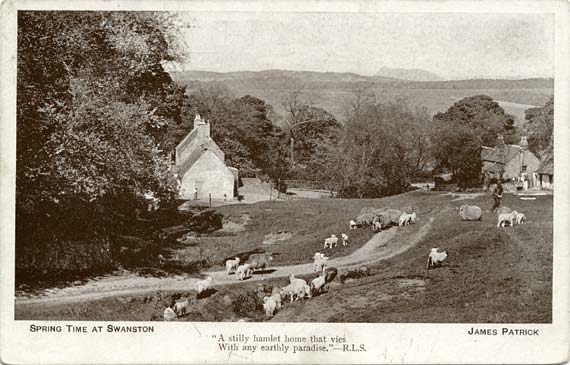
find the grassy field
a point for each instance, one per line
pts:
(492, 275)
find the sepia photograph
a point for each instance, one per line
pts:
(255, 166)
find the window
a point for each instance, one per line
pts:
(523, 168)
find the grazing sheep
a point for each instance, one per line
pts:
(181, 307)
(503, 210)
(293, 279)
(203, 285)
(276, 297)
(259, 261)
(344, 237)
(317, 285)
(330, 273)
(406, 219)
(352, 224)
(320, 260)
(376, 225)
(521, 218)
(243, 271)
(435, 257)
(507, 219)
(269, 306)
(331, 241)
(407, 209)
(294, 291)
(470, 213)
(169, 314)
(232, 265)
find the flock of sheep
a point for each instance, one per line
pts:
(298, 289)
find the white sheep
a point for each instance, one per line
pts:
(181, 307)
(276, 297)
(232, 265)
(293, 279)
(521, 218)
(352, 224)
(243, 271)
(169, 314)
(294, 291)
(317, 284)
(507, 218)
(377, 225)
(269, 306)
(344, 237)
(435, 257)
(320, 260)
(331, 241)
(406, 219)
(203, 285)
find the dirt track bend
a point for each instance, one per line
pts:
(379, 247)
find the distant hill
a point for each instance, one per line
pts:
(333, 91)
(411, 74)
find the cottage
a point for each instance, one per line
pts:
(511, 162)
(546, 173)
(200, 166)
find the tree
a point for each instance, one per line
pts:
(540, 125)
(460, 132)
(93, 106)
(378, 153)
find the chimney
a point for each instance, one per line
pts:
(523, 143)
(202, 127)
(500, 139)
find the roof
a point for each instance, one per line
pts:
(547, 166)
(496, 167)
(500, 154)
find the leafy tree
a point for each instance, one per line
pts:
(93, 105)
(540, 125)
(380, 150)
(459, 133)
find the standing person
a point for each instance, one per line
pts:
(497, 196)
(195, 193)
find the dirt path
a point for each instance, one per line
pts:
(380, 247)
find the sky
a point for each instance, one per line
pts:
(451, 45)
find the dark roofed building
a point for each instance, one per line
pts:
(546, 173)
(511, 162)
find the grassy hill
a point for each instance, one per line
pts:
(493, 275)
(333, 91)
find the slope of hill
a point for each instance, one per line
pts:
(333, 91)
(412, 74)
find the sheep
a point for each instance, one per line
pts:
(294, 290)
(406, 219)
(169, 314)
(232, 265)
(293, 279)
(269, 306)
(503, 210)
(203, 285)
(470, 213)
(331, 241)
(320, 260)
(344, 237)
(376, 225)
(260, 261)
(243, 271)
(276, 297)
(509, 218)
(317, 284)
(436, 258)
(181, 307)
(352, 224)
(521, 218)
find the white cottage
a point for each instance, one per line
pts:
(200, 166)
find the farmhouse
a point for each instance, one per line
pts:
(546, 173)
(511, 162)
(200, 167)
